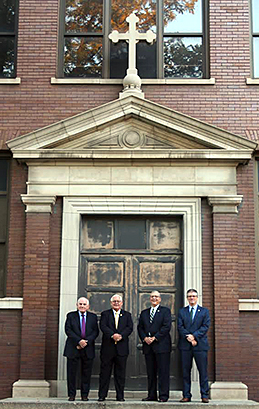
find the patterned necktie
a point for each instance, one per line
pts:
(83, 327)
(192, 313)
(152, 313)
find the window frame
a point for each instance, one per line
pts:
(254, 34)
(14, 35)
(160, 39)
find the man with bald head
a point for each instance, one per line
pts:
(154, 331)
(81, 329)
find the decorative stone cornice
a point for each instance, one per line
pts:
(38, 203)
(225, 203)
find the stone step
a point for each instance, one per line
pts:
(62, 403)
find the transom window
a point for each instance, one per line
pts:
(180, 50)
(255, 36)
(8, 37)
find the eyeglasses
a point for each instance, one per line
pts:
(116, 301)
(82, 303)
(192, 296)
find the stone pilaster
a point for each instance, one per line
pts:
(35, 295)
(226, 299)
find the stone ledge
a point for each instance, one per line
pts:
(249, 305)
(10, 81)
(154, 81)
(57, 403)
(252, 81)
(11, 303)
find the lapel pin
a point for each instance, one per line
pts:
(198, 310)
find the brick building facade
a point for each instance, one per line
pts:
(69, 145)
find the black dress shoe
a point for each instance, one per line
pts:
(85, 398)
(162, 400)
(101, 399)
(121, 400)
(185, 400)
(148, 399)
(71, 398)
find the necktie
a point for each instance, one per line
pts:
(192, 313)
(116, 319)
(152, 313)
(83, 327)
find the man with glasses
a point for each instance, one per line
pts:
(154, 331)
(116, 325)
(193, 325)
(81, 329)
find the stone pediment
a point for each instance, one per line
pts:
(131, 127)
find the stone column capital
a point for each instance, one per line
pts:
(38, 203)
(225, 203)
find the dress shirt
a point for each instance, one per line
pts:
(194, 311)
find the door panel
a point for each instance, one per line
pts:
(132, 256)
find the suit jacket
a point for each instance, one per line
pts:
(73, 332)
(160, 328)
(125, 328)
(198, 328)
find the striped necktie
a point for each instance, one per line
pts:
(152, 313)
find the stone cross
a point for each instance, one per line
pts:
(132, 36)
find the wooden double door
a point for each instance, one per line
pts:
(132, 256)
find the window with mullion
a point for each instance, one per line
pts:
(83, 38)
(179, 51)
(8, 37)
(255, 37)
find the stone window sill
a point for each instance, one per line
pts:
(10, 81)
(11, 303)
(252, 81)
(93, 81)
(249, 305)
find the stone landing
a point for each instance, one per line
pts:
(62, 403)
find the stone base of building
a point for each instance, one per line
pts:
(31, 389)
(228, 391)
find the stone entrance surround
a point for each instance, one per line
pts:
(130, 156)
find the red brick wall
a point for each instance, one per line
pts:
(207, 277)
(226, 308)
(10, 338)
(53, 295)
(15, 261)
(249, 334)
(246, 232)
(35, 296)
(229, 104)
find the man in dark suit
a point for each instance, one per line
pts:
(81, 329)
(154, 331)
(116, 325)
(193, 325)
